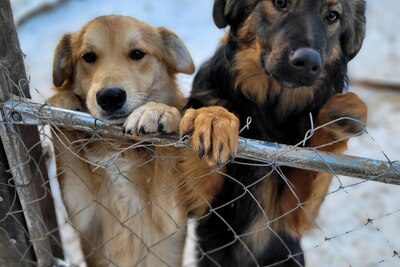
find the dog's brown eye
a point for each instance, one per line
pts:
(332, 17)
(136, 54)
(90, 57)
(281, 4)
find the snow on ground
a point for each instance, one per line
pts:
(344, 238)
(350, 208)
(379, 59)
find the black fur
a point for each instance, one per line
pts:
(212, 232)
(215, 83)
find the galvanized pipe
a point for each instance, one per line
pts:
(23, 111)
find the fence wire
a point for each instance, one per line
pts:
(367, 226)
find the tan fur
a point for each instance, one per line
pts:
(255, 84)
(310, 187)
(130, 205)
(250, 75)
(251, 78)
(214, 132)
(294, 211)
(256, 57)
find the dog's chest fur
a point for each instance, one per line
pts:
(278, 115)
(123, 208)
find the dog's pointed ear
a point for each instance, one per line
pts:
(353, 37)
(176, 55)
(63, 67)
(227, 12)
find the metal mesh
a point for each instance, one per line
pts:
(330, 239)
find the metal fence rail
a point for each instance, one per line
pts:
(24, 111)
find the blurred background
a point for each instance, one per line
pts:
(359, 222)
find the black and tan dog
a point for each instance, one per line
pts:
(281, 61)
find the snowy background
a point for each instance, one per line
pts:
(343, 237)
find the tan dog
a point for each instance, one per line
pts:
(129, 205)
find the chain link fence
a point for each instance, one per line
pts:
(30, 236)
(21, 111)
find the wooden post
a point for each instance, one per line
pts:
(33, 234)
(14, 245)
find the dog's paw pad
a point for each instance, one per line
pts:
(153, 118)
(214, 133)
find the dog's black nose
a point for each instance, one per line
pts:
(111, 99)
(307, 61)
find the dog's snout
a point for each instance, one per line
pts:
(308, 61)
(111, 99)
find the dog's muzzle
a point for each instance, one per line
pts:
(300, 67)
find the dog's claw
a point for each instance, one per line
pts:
(219, 163)
(201, 152)
(142, 130)
(152, 118)
(187, 133)
(161, 128)
(220, 149)
(214, 133)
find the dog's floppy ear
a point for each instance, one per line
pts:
(176, 54)
(354, 34)
(63, 67)
(227, 12)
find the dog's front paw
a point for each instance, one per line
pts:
(66, 100)
(151, 118)
(345, 115)
(214, 133)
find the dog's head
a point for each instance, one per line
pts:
(295, 39)
(118, 63)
